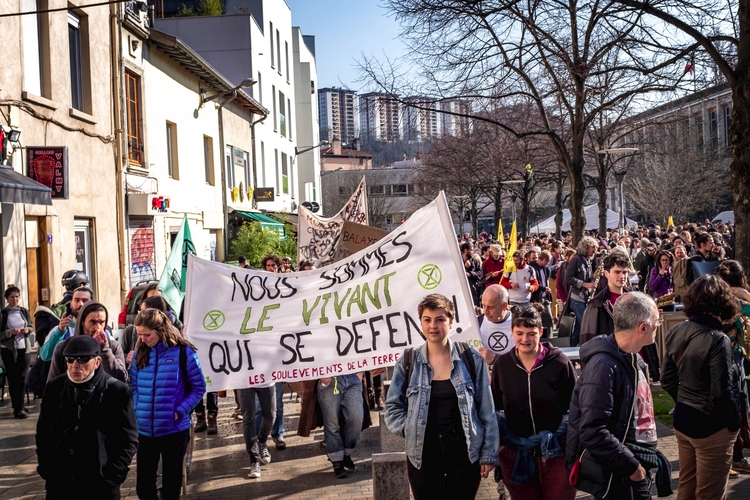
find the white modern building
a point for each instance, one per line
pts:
(187, 156)
(451, 120)
(379, 117)
(421, 119)
(339, 114)
(260, 44)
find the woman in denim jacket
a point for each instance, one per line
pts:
(448, 419)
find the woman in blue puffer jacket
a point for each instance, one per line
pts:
(167, 383)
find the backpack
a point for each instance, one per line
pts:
(463, 350)
(680, 277)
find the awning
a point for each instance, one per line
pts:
(18, 188)
(265, 221)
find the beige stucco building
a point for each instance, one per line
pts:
(56, 87)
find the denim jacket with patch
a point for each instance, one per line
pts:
(407, 406)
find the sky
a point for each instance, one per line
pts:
(343, 30)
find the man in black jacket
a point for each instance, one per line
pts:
(86, 433)
(612, 409)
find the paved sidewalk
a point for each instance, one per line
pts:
(220, 464)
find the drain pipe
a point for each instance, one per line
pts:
(255, 162)
(224, 202)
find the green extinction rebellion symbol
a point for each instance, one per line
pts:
(213, 320)
(430, 276)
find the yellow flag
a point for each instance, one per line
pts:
(500, 236)
(670, 222)
(510, 266)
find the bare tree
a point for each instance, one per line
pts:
(720, 29)
(545, 54)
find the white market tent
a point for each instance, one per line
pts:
(592, 221)
(726, 217)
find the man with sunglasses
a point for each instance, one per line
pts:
(92, 321)
(86, 433)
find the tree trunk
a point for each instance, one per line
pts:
(575, 204)
(740, 167)
(559, 206)
(601, 190)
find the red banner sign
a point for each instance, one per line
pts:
(49, 166)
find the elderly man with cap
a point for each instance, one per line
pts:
(92, 320)
(86, 433)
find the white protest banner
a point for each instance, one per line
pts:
(317, 236)
(254, 328)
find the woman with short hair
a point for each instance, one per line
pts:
(444, 409)
(532, 384)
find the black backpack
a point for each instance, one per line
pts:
(463, 350)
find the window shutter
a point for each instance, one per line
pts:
(32, 75)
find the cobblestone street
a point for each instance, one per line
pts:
(220, 464)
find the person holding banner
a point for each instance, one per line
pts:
(442, 404)
(167, 383)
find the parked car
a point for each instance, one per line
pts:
(132, 304)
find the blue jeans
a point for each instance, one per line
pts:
(277, 430)
(518, 304)
(252, 399)
(578, 308)
(342, 397)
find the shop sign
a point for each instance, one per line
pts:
(49, 167)
(264, 194)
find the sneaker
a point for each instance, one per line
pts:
(265, 455)
(733, 474)
(742, 466)
(237, 414)
(280, 443)
(254, 470)
(21, 414)
(348, 463)
(338, 469)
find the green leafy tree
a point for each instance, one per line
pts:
(255, 242)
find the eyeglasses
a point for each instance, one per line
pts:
(82, 360)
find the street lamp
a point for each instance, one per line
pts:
(298, 151)
(247, 82)
(619, 177)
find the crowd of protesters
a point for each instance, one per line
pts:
(517, 405)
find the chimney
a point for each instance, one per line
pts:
(356, 143)
(336, 146)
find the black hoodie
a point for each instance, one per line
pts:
(601, 408)
(534, 401)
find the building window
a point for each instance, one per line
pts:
(286, 50)
(342, 191)
(263, 163)
(208, 159)
(278, 173)
(270, 37)
(399, 190)
(246, 166)
(260, 88)
(282, 114)
(273, 95)
(289, 120)
(79, 63)
(376, 190)
(172, 164)
(278, 50)
(133, 100)
(229, 165)
(35, 38)
(84, 257)
(713, 129)
(284, 174)
(727, 126)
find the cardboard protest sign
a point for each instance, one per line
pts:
(317, 236)
(355, 237)
(254, 328)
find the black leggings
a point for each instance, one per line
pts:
(171, 448)
(445, 476)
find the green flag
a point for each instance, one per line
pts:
(173, 278)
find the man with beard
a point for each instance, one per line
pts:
(86, 433)
(492, 267)
(66, 328)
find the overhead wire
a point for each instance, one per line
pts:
(61, 9)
